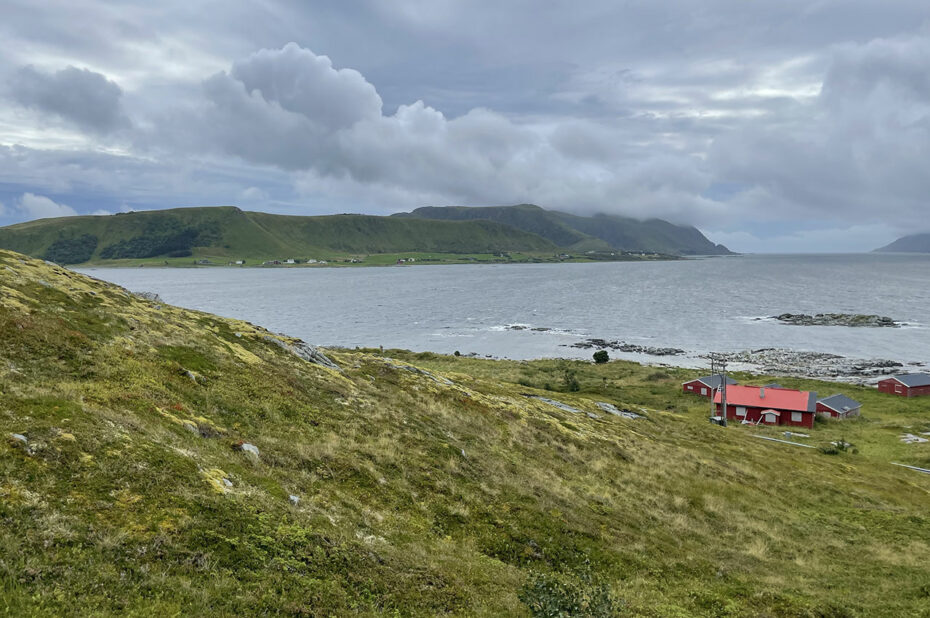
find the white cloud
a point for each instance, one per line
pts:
(40, 207)
(813, 115)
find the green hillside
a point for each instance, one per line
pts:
(579, 233)
(227, 232)
(160, 461)
(526, 217)
(914, 243)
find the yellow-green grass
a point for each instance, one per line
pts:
(416, 496)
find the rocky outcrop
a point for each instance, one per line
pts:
(622, 346)
(305, 351)
(837, 319)
(778, 361)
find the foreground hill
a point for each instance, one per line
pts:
(160, 461)
(227, 232)
(579, 233)
(915, 243)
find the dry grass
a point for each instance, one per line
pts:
(415, 497)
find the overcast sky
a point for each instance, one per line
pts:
(771, 126)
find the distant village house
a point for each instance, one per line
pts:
(838, 406)
(705, 386)
(909, 385)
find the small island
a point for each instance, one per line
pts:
(837, 319)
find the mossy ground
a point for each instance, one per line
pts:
(416, 497)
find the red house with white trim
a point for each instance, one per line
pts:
(705, 386)
(769, 406)
(910, 385)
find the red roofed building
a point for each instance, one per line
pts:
(769, 406)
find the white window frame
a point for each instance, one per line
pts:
(703, 391)
(797, 417)
(740, 410)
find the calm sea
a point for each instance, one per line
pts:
(697, 305)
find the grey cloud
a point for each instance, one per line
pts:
(863, 149)
(304, 83)
(642, 107)
(84, 97)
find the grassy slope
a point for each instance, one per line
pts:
(650, 235)
(416, 497)
(526, 217)
(252, 235)
(585, 233)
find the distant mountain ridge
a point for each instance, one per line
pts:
(579, 233)
(913, 243)
(227, 231)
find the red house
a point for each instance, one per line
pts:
(769, 406)
(838, 406)
(910, 385)
(705, 386)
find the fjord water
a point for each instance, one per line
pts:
(699, 305)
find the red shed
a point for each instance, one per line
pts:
(705, 386)
(910, 385)
(770, 406)
(838, 406)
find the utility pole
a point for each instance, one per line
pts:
(718, 366)
(723, 389)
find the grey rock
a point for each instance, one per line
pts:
(152, 296)
(305, 351)
(622, 346)
(247, 447)
(777, 361)
(837, 319)
(20, 437)
(295, 500)
(557, 404)
(612, 409)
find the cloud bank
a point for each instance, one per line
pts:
(766, 126)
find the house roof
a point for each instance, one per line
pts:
(840, 403)
(775, 398)
(713, 381)
(913, 379)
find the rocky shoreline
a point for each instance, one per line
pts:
(773, 361)
(857, 320)
(801, 364)
(622, 346)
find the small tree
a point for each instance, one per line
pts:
(601, 357)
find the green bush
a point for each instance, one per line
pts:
(71, 250)
(601, 356)
(552, 596)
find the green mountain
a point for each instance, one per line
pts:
(227, 232)
(579, 233)
(162, 461)
(914, 243)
